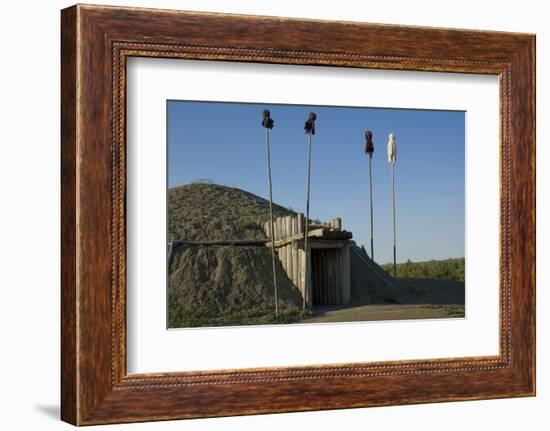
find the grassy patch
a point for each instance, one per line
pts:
(181, 319)
(455, 310)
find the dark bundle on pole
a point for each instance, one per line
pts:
(309, 127)
(267, 123)
(369, 150)
(369, 146)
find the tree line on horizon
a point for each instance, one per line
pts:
(447, 269)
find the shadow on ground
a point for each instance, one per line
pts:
(52, 411)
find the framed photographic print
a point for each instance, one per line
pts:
(268, 215)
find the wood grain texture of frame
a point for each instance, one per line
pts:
(96, 41)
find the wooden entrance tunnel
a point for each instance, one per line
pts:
(329, 277)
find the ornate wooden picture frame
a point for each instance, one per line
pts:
(96, 41)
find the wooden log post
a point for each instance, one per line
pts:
(288, 226)
(296, 265)
(330, 277)
(334, 276)
(289, 260)
(346, 275)
(281, 228)
(297, 270)
(289, 250)
(300, 220)
(302, 271)
(300, 267)
(308, 286)
(339, 276)
(286, 234)
(329, 285)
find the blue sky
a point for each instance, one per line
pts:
(225, 143)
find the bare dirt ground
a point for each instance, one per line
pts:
(384, 312)
(413, 299)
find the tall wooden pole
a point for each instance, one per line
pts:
(307, 292)
(271, 222)
(392, 158)
(369, 150)
(268, 124)
(394, 231)
(371, 212)
(309, 127)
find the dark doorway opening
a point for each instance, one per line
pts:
(326, 276)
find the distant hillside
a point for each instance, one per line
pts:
(448, 269)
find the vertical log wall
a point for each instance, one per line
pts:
(291, 256)
(329, 268)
